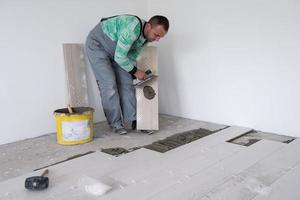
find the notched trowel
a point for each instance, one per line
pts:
(149, 76)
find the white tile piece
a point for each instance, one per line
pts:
(146, 187)
(148, 59)
(210, 148)
(206, 158)
(172, 184)
(147, 109)
(75, 66)
(286, 187)
(157, 176)
(208, 168)
(199, 184)
(257, 179)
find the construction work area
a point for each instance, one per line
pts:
(149, 100)
(209, 167)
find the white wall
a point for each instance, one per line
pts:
(32, 81)
(233, 62)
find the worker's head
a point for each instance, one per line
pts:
(156, 28)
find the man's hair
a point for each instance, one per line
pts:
(159, 20)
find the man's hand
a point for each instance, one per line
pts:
(140, 74)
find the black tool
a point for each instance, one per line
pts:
(37, 182)
(148, 72)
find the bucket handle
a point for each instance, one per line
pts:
(70, 109)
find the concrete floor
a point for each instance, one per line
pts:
(209, 168)
(21, 157)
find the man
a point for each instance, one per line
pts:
(112, 48)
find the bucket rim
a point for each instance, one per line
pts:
(77, 110)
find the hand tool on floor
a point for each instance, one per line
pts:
(37, 182)
(149, 76)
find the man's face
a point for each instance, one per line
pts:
(154, 33)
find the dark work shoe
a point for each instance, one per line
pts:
(121, 131)
(133, 125)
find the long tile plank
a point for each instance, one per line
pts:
(258, 178)
(210, 149)
(165, 185)
(286, 187)
(65, 176)
(199, 184)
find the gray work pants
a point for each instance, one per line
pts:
(115, 84)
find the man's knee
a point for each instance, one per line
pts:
(108, 88)
(129, 87)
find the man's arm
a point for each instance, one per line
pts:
(134, 53)
(126, 39)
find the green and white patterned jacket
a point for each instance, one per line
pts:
(126, 31)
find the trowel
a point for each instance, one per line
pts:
(149, 76)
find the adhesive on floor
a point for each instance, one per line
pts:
(166, 144)
(115, 151)
(255, 136)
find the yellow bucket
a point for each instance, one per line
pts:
(74, 128)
